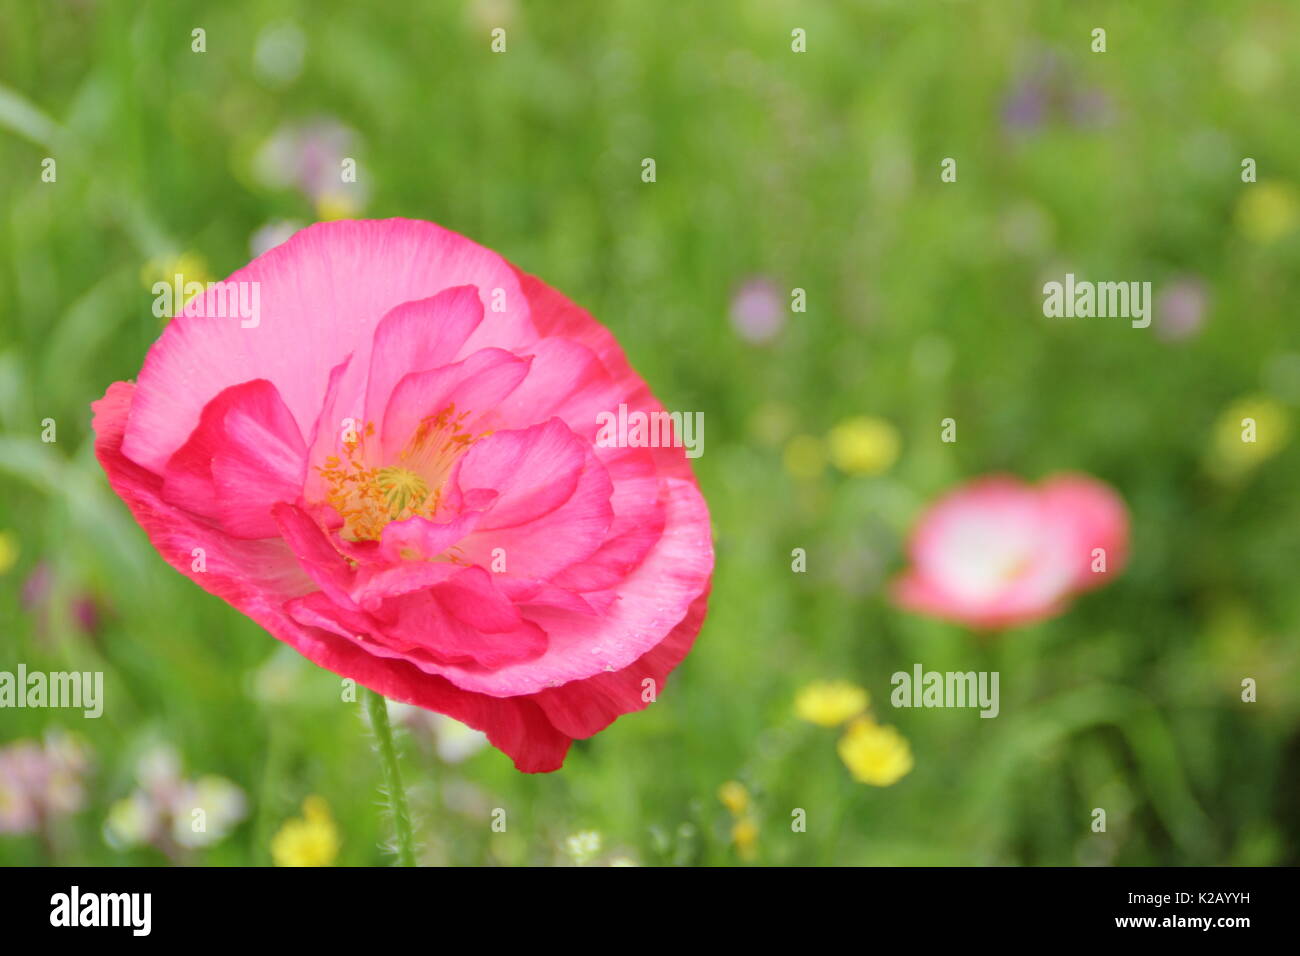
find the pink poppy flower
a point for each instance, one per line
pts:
(395, 472)
(997, 552)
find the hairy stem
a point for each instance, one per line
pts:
(377, 707)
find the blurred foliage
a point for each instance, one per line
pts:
(816, 170)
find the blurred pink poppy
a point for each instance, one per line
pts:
(997, 552)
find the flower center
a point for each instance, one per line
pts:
(369, 496)
(402, 489)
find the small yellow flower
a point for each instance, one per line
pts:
(8, 551)
(830, 703)
(1268, 211)
(336, 204)
(190, 266)
(745, 837)
(1249, 431)
(734, 797)
(805, 457)
(309, 840)
(864, 446)
(874, 754)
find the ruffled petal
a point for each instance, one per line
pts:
(585, 707)
(649, 604)
(322, 294)
(532, 470)
(246, 455)
(473, 388)
(418, 336)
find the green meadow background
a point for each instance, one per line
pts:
(817, 170)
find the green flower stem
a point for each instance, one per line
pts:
(377, 707)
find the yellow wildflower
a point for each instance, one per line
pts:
(1268, 211)
(830, 703)
(874, 754)
(336, 204)
(1248, 431)
(309, 840)
(745, 837)
(864, 446)
(8, 551)
(190, 266)
(734, 797)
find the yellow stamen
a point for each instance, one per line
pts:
(402, 489)
(368, 497)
